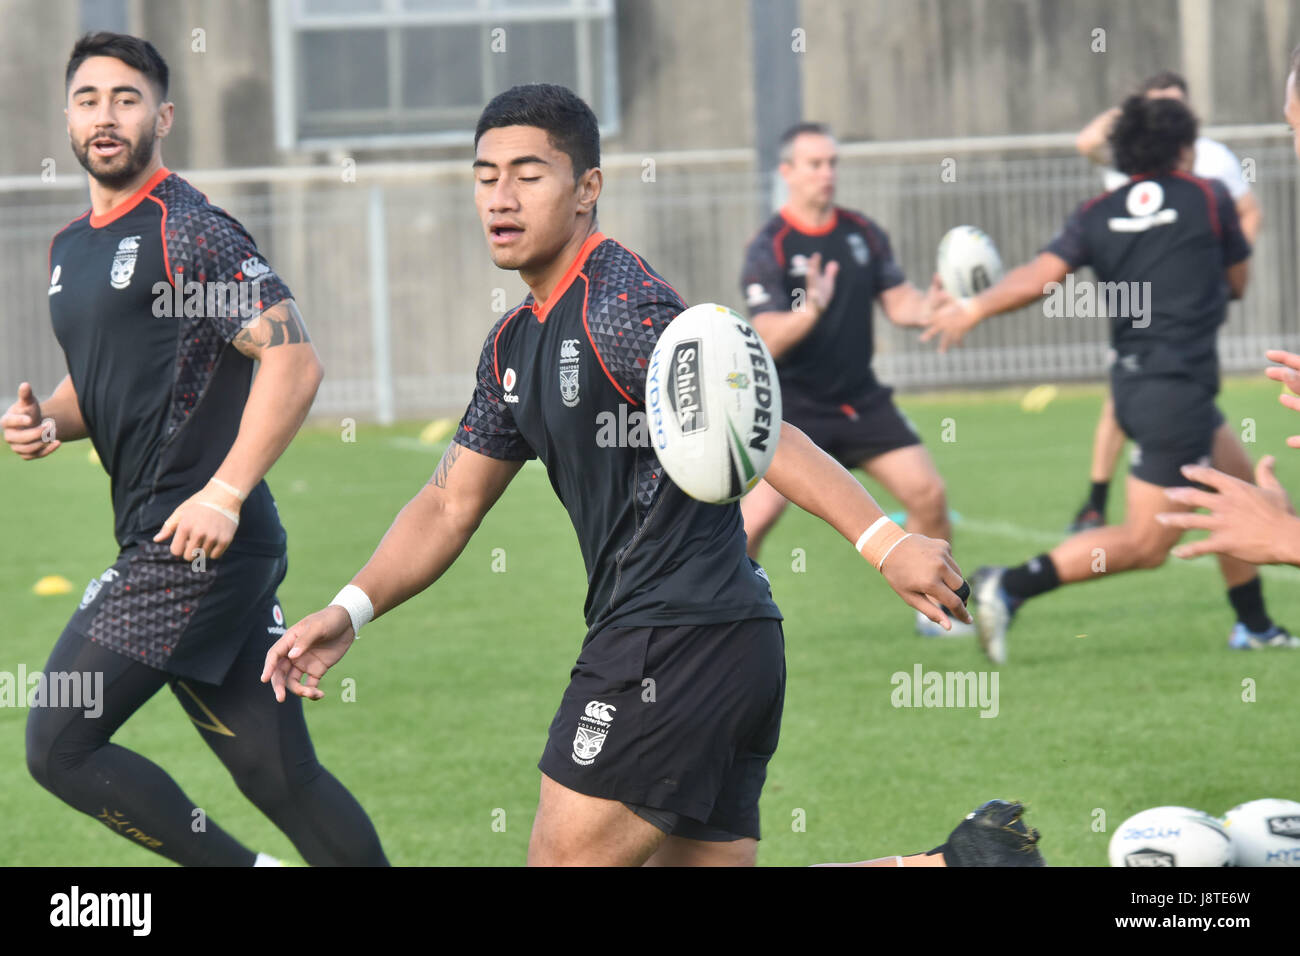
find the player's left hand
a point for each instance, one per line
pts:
(205, 522)
(308, 650)
(951, 322)
(936, 298)
(923, 573)
(1255, 523)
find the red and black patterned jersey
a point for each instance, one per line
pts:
(832, 365)
(144, 301)
(1159, 248)
(565, 382)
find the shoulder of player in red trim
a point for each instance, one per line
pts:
(628, 307)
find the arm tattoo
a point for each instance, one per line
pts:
(444, 467)
(275, 326)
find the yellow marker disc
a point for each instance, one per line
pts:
(52, 584)
(437, 430)
(1036, 399)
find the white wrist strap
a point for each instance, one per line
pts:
(354, 600)
(225, 511)
(227, 486)
(881, 565)
(866, 535)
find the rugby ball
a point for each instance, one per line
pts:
(1170, 836)
(1264, 833)
(714, 403)
(968, 261)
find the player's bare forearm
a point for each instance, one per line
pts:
(1092, 140)
(782, 331)
(63, 407)
(905, 305)
(1021, 286)
(433, 528)
(919, 569)
(1251, 216)
(817, 483)
(277, 405)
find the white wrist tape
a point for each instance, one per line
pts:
(355, 601)
(227, 486)
(225, 511)
(887, 536)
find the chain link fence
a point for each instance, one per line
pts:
(391, 270)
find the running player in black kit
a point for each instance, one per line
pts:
(1179, 235)
(628, 777)
(164, 395)
(811, 278)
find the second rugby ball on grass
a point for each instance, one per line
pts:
(714, 403)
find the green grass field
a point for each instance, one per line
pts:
(1118, 695)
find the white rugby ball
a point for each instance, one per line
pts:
(1264, 833)
(968, 261)
(714, 403)
(1169, 836)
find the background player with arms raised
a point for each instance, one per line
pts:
(811, 278)
(1212, 160)
(1180, 235)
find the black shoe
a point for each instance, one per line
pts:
(1087, 519)
(993, 835)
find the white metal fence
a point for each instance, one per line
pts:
(393, 277)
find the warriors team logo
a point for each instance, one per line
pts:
(569, 375)
(858, 246)
(593, 728)
(119, 276)
(1145, 198)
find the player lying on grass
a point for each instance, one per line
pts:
(1251, 522)
(672, 596)
(1179, 234)
(190, 602)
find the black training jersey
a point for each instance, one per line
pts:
(1159, 248)
(144, 302)
(833, 363)
(565, 382)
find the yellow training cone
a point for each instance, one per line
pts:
(1036, 399)
(52, 584)
(437, 430)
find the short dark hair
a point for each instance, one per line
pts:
(1162, 81)
(797, 130)
(1150, 135)
(569, 123)
(134, 52)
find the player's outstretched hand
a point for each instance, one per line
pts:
(26, 433)
(1255, 523)
(936, 298)
(819, 282)
(950, 323)
(1288, 373)
(308, 649)
(924, 574)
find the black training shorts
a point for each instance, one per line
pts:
(677, 719)
(854, 432)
